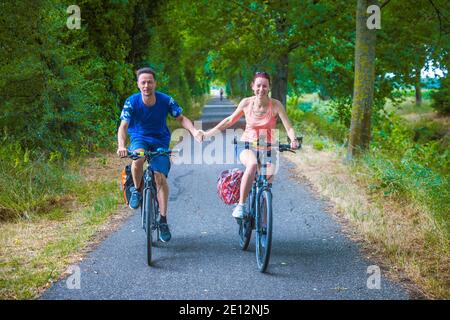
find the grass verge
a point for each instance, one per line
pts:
(400, 235)
(37, 250)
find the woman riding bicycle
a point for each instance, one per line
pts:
(261, 113)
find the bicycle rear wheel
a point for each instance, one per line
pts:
(246, 225)
(264, 230)
(156, 222)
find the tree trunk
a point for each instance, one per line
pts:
(418, 88)
(360, 127)
(280, 76)
(280, 79)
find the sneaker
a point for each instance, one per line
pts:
(164, 232)
(135, 199)
(238, 211)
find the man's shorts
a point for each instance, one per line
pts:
(160, 163)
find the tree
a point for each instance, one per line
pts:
(412, 36)
(360, 127)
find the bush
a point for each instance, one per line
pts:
(29, 186)
(318, 144)
(441, 98)
(407, 178)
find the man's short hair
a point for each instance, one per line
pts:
(145, 70)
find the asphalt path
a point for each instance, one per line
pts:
(311, 257)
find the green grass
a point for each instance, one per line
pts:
(33, 187)
(407, 179)
(49, 212)
(409, 106)
(22, 276)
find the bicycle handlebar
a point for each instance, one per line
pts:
(281, 147)
(150, 154)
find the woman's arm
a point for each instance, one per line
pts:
(228, 121)
(286, 123)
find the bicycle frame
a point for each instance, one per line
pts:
(260, 184)
(149, 185)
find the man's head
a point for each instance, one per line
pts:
(146, 81)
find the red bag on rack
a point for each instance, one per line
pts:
(228, 185)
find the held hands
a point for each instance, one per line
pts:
(199, 135)
(208, 134)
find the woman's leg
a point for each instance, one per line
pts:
(248, 159)
(270, 172)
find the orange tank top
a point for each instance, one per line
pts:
(259, 126)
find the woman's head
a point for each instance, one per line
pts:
(261, 84)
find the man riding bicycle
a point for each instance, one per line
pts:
(143, 117)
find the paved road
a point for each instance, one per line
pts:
(216, 110)
(311, 259)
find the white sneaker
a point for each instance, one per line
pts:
(238, 211)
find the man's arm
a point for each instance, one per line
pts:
(122, 139)
(187, 124)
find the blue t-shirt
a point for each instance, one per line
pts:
(149, 123)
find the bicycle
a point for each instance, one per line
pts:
(258, 208)
(149, 204)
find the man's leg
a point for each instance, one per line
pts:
(163, 192)
(161, 167)
(137, 170)
(163, 196)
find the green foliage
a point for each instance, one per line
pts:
(412, 161)
(28, 187)
(406, 177)
(318, 144)
(319, 119)
(72, 79)
(409, 160)
(441, 97)
(62, 90)
(425, 141)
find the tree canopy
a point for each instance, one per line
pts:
(62, 89)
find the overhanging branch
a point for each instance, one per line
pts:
(384, 4)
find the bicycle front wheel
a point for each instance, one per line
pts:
(264, 230)
(149, 208)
